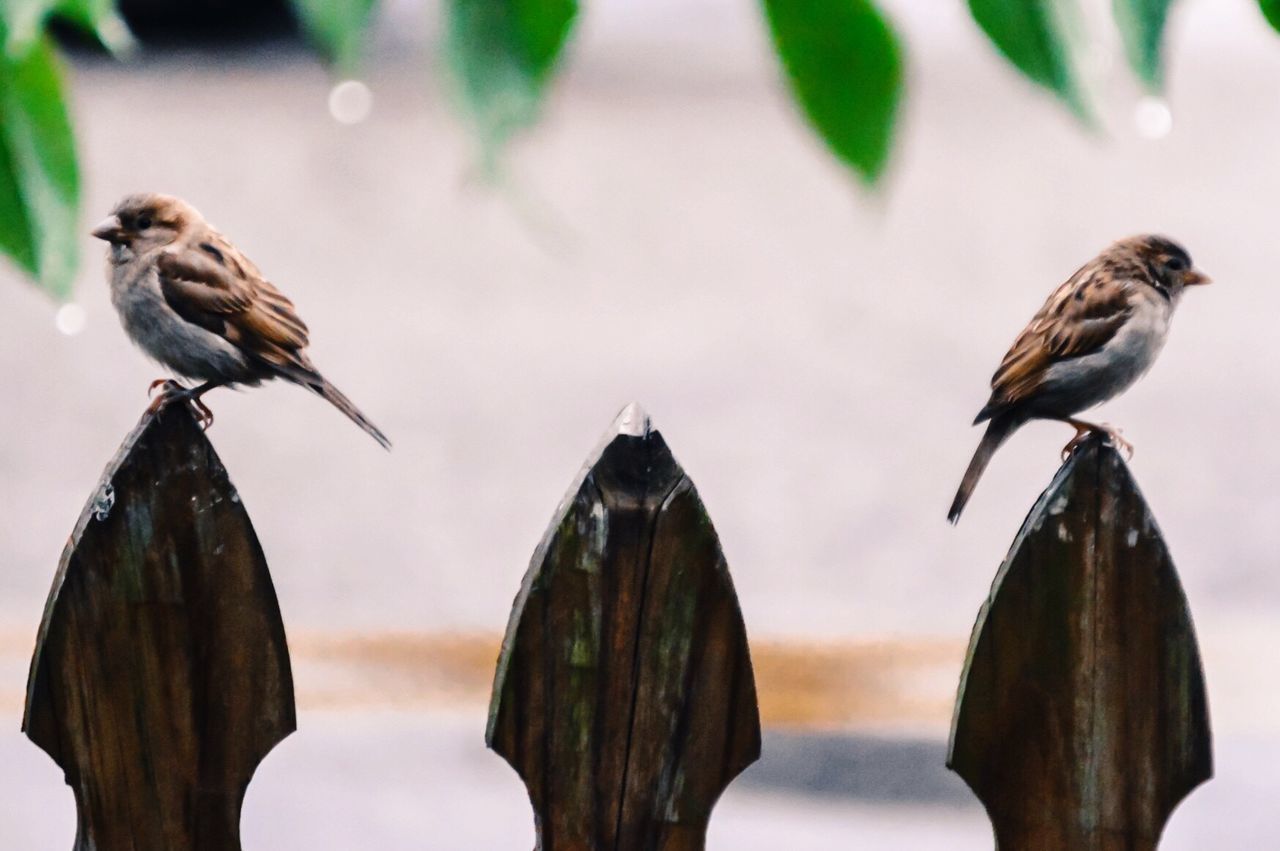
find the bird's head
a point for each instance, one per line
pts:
(144, 222)
(1166, 264)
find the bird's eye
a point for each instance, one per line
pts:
(143, 222)
(1175, 264)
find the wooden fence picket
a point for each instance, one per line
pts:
(1081, 720)
(624, 695)
(161, 677)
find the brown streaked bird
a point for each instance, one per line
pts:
(194, 303)
(1095, 336)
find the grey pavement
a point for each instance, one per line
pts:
(394, 781)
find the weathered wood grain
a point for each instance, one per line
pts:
(1081, 720)
(624, 695)
(161, 676)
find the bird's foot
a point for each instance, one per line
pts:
(1082, 434)
(204, 416)
(171, 392)
(168, 384)
(1113, 435)
(1085, 430)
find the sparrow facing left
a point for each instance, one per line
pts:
(1094, 337)
(194, 303)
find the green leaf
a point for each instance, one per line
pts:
(16, 238)
(1141, 24)
(337, 28)
(501, 55)
(845, 68)
(1271, 10)
(25, 21)
(1036, 36)
(39, 179)
(100, 18)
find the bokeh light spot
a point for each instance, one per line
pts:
(1153, 117)
(70, 319)
(350, 102)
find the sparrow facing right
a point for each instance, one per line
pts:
(194, 303)
(1095, 336)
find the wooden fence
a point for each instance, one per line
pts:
(1081, 720)
(161, 677)
(624, 695)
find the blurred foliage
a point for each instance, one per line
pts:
(1141, 24)
(843, 62)
(1036, 36)
(24, 22)
(39, 178)
(337, 28)
(501, 54)
(1271, 8)
(844, 65)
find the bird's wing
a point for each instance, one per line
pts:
(1080, 317)
(208, 282)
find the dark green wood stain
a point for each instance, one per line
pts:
(1081, 720)
(161, 676)
(624, 695)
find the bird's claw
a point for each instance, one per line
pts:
(204, 416)
(1112, 434)
(170, 392)
(168, 384)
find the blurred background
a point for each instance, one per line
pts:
(671, 231)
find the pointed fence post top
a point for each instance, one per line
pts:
(1081, 719)
(161, 677)
(632, 421)
(624, 695)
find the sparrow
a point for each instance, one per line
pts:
(192, 301)
(1095, 336)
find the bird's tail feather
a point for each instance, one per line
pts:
(997, 432)
(321, 387)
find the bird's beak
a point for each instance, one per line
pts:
(111, 229)
(1195, 278)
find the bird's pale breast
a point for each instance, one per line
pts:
(185, 348)
(1079, 383)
